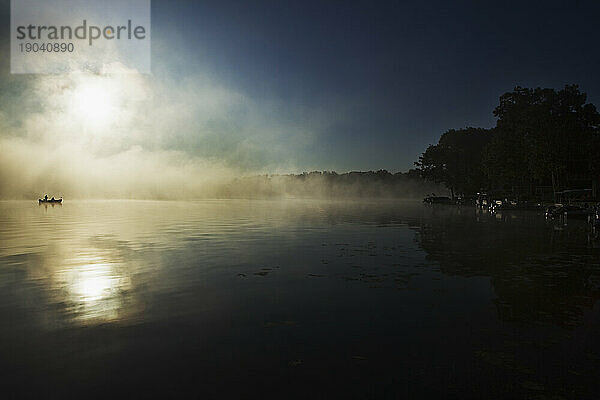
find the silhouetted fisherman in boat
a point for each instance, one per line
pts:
(52, 200)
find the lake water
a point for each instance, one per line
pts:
(310, 299)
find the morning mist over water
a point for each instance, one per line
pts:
(299, 200)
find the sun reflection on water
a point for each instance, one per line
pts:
(93, 286)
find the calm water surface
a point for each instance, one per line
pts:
(309, 299)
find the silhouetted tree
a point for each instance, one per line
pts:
(542, 136)
(456, 161)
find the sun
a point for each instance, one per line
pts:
(95, 103)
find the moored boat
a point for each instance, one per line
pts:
(438, 200)
(569, 211)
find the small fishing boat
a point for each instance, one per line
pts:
(51, 201)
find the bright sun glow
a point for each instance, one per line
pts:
(95, 103)
(94, 282)
(94, 286)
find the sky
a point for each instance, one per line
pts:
(382, 80)
(275, 87)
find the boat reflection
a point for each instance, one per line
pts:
(52, 205)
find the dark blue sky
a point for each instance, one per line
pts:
(375, 82)
(398, 74)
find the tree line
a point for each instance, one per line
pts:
(330, 184)
(544, 141)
